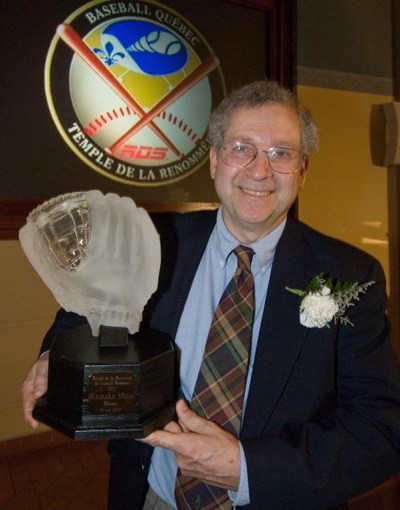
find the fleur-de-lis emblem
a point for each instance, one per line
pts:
(108, 55)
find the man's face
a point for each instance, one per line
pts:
(255, 200)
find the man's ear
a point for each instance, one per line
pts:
(213, 161)
(303, 172)
(304, 167)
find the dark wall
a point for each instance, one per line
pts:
(352, 36)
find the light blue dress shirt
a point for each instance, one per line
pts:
(216, 269)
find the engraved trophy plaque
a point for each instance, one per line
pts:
(100, 257)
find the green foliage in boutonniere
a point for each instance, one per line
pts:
(324, 300)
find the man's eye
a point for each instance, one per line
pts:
(242, 150)
(278, 153)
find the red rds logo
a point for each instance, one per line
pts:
(131, 86)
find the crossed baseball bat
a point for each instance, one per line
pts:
(74, 41)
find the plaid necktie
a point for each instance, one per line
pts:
(219, 389)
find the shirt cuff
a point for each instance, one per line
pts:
(241, 496)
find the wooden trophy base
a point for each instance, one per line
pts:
(122, 390)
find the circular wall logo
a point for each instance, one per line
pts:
(130, 87)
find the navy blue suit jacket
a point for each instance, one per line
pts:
(322, 422)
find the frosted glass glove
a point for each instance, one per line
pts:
(113, 265)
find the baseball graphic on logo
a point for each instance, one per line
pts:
(139, 95)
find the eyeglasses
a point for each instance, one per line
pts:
(280, 159)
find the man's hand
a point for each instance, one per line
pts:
(34, 386)
(203, 449)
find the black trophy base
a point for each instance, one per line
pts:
(45, 415)
(110, 390)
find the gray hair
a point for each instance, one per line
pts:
(255, 95)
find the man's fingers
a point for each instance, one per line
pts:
(28, 401)
(163, 439)
(34, 386)
(192, 422)
(189, 422)
(28, 408)
(40, 386)
(40, 380)
(173, 427)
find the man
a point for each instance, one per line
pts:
(321, 408)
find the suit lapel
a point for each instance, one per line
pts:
(183, 240)
(192, 248)
(281, 335)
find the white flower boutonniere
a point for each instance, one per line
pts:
(323, 301)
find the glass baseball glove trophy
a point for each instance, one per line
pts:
(100, 257)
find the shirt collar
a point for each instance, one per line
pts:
(264, 248)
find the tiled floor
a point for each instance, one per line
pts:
(74, 476)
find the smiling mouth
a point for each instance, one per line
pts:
(256, 193)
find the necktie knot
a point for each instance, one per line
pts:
(244, 256)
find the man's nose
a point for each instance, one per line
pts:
(260, 168)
